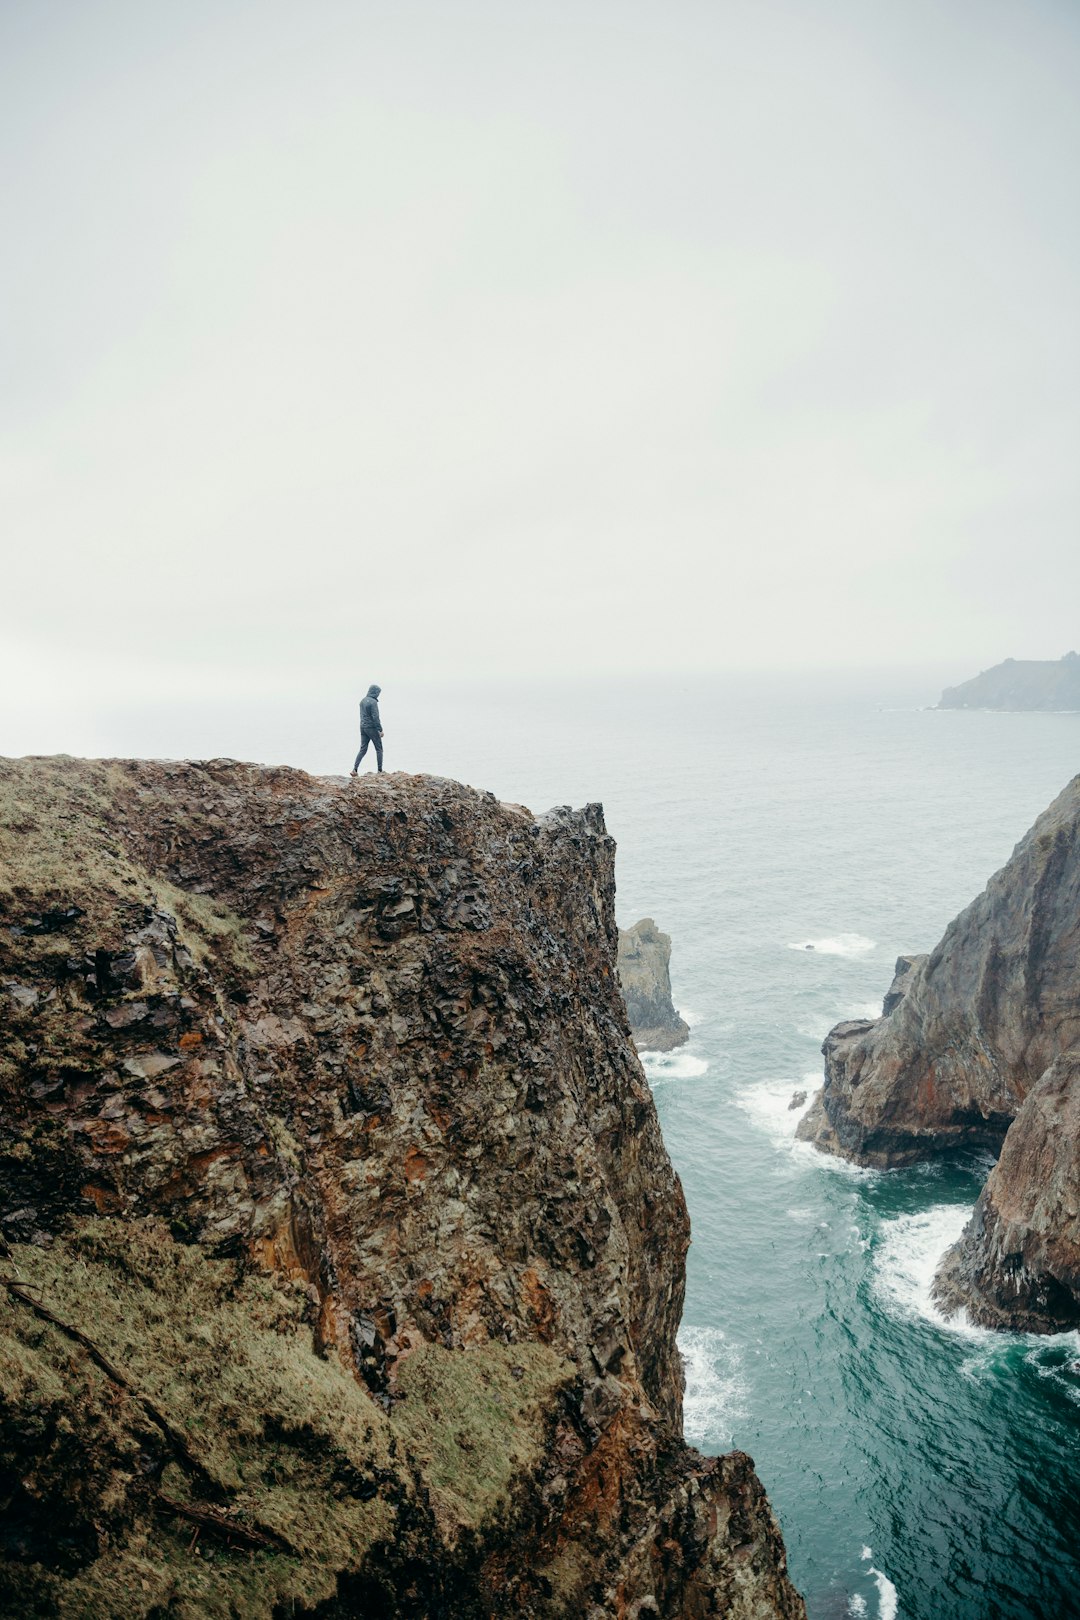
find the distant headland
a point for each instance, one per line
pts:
(1020, 683)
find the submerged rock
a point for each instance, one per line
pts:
(979, 1047)
(346, 1259)
(644, 962)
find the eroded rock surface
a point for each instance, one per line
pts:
(644, 973)
(346, 1259)
(972, 1026)
(980, 1047)
(1017, 1264)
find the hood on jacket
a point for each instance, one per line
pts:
(373, 691)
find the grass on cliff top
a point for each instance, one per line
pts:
(476, 1422)
(295, 1443)
(60, 845)
(290, 1438)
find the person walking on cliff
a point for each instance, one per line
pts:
(370, 728)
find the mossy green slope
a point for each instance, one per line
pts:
(280, 1441)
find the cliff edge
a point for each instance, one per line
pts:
(342, 1256)
(978, 1048)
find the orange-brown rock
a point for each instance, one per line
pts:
(322, 1128)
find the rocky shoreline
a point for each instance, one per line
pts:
(978, 1047)
(343, 1259)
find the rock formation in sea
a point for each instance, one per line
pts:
(1020, 683)
(644, 973)
(342, 1258)
(1017, 1264)
(979, 1047)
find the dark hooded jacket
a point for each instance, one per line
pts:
(369, 712)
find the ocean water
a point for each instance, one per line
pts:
(921, 1469)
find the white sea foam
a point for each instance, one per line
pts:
(715, 1389)
(673, 1066)
(837, 945)
(768, 1102)
(888, 1595)
(907, 1257)
(1056, 1357)
(831, 1164)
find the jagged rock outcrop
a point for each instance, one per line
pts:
(343, 1256)
(979, 1046)
(972, 1026)
(644, 973)
(1017, 1264)
(1020, 683)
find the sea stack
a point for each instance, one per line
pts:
(644, 973)
(979, 1047)
(342, 1255)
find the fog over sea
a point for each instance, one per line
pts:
(919, 1469)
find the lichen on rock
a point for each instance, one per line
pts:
(345, 1258)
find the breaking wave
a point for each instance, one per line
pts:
(715, 1389)
(768, 1103)
(673, 1066)
(907, 1256)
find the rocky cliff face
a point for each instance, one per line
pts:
(1017, 1264)
(978, 1048)
(644, 973)
(973, 1025)
(343, 1256)
(1020, 683)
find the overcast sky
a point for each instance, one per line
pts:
(349, 341)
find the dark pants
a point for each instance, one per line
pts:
(367, 737)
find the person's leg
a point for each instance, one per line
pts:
(364, 740)
(378, 750)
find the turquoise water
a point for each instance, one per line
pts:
(919, 1471)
